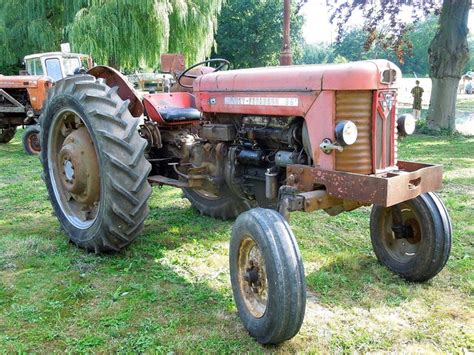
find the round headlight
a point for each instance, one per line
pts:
(406, 124)
(346, 132)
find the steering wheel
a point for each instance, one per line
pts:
(222, 63)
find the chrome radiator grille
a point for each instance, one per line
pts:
(386, 134)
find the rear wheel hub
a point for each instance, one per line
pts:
(79, 168)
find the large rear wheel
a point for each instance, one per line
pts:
(267, 276)
(7, 134)
(413, 238)
(94, 164)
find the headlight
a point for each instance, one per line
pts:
(346, 133)
(406, 124)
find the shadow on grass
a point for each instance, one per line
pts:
(152, 309)
(135, 299)
(355, 280)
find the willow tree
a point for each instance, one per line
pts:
(133, 33)
(122, 33)
(27, 27)
(448, 52)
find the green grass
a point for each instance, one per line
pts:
(465, 104)
(170, 291)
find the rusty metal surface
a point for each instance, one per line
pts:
(363, 75)
(318, 199)
(126, 92)
(163, 180)
(252, 276)
(388, 189)
(36, 86)
(78, 156)
(14, 105)
(356, 106)
(33, 142)
(19, 81)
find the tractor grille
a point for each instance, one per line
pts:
(356, 106)
(386, 134)
(376, 145)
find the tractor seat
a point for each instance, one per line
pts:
(173, 114)
(171, 108)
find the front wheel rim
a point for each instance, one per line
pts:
(74, 169)
(33, 142)
(402, 250)
(252, 276)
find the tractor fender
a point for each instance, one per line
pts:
(113, 78)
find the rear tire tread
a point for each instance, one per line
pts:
(123, 166)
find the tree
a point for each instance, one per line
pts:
(27, 27)
(316, 53)
(352, 47)
(121, 33)
(470, 64)
(249, 33)
(137, 31)
(448, 51)
(416, 60)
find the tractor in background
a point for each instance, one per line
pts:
(251, 144)
(22, 96)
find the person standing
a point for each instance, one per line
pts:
(468, 87)
(417, 93)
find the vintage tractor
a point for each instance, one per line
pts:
(254, 144)
(22, 96)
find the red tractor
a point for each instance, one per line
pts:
(254, 144)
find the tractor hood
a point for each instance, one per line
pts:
(22, 81)
(362, 75)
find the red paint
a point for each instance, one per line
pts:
(313, 85)
(153, 103)
(374, 130)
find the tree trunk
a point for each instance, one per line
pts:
(448, 54)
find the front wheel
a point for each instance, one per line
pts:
(7, 134)
(413, 238)
(94, 165)
(31, 140)
(267, 276)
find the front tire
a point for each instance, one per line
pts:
(423, 250)
(267, 276)
(7, 134)
(94, 165)
(31, 140)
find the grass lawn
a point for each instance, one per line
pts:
(170, 291)
(465, 103)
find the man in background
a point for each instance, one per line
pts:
(468, 87)
(417, 93)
